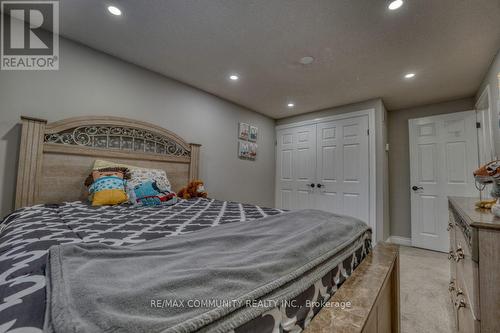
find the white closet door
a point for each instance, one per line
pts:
(443, 154)
(296, 167)
(342, 172)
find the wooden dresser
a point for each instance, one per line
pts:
(474, 266)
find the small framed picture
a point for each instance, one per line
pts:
(244, 130)
(254, 131)
(243, 149)
(252, 154)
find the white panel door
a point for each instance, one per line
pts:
(443, 154)
(296, 167)
(342, 172)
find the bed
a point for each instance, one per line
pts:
(51, 210)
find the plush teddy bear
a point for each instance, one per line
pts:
(195, 189)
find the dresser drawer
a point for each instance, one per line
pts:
(465, 320)
(467, 272)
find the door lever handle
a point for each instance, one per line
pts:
(416, 188)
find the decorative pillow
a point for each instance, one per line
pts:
(150, 193)
(140, 175)
(107, 186)
(145, 186)
(137, 174)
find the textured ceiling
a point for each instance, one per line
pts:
(361, 49)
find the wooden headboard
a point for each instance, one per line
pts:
(55, 158)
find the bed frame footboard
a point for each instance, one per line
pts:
(373, 294)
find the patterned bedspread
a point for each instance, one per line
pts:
(26, 235)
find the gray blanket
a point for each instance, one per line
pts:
(202, 281)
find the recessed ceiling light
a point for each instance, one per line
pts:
(290, 105)
(114, 10)
(234, 77)
(393, 5)
(306, 60)
(409, 75)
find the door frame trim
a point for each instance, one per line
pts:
(377, 226)
(485, 97)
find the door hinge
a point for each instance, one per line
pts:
(478, 125)
(368, 132)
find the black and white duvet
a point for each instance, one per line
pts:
(26, 235)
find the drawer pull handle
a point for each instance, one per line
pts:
(460, 304)
(459, 254)
(450, 226)
(451, 286)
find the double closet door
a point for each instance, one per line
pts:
(325, 166)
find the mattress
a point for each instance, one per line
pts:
(26, 235)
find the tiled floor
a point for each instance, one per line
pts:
(425, 304)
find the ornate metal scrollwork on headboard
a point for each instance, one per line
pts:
(119, 138)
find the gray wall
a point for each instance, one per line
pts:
(399, 159)
(380, 140)
(92, 83)
(492, 78)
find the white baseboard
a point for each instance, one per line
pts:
(399, 240)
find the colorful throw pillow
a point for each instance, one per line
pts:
(145, 186)
(140, 175)
(150, 193)
(106, 186)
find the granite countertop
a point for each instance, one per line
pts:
(476, 217)
(361, 289)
